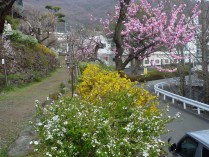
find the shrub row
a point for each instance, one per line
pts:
(155, 75)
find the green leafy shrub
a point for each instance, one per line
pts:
(61, 88)
(37, 76)
(22, 39)
(133, 78)
(156, 75)
(82, 66)
(151, 75)
(14, 22)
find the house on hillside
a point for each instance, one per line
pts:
(62, 46)
(105, 54)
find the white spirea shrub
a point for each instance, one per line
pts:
(72, 128)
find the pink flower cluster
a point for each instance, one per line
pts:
(82, 48)
(179, 57)
(86, 49)
(162, 69)
(149, 28)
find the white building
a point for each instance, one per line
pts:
(159, 58)
(105, 54)
(163, 58)
(62, 46)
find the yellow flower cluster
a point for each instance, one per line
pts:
(45, 49)
(97, 83)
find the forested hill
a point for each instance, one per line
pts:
(76, 11)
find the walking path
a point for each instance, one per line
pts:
(17, 108)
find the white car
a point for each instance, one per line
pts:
(193, 144)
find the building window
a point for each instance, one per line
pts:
(157, 61)
(146, 61)
(166, 60)
(106, 58)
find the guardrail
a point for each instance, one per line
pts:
(200, 106)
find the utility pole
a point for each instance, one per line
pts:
(5, 72)
(190, 77)
(4, 64)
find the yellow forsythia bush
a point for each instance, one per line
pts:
(97, 83)
(45, 49)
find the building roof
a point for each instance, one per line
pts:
(202, 136)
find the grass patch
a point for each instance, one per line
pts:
(13, 88)
(3, 152)
(8, 88)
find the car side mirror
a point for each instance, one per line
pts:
(172, 147)
(169, 139)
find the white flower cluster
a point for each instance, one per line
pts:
(73, 128)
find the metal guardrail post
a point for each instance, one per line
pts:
(173, 100)
(184, 105)
(198, 110)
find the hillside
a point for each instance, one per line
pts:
(76, 11)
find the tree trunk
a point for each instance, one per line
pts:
(204, 51)
(205, 74)
(5, 7)
(135, 67)
(118, 38)
(182, 73)
(2, 20)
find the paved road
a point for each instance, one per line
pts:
(187, 121)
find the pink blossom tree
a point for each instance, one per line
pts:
(82, 46)
(144, 27)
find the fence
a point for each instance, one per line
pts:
(200, 106)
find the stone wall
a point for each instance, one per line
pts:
(24, 65)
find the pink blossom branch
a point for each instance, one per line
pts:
(162, 69)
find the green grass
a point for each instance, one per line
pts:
(23, 87)
(7, 88)
(3, 152)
